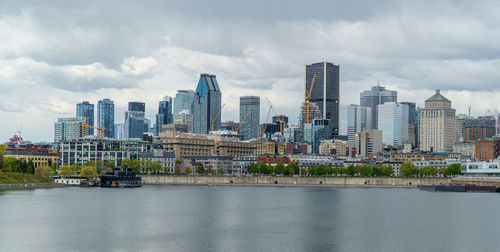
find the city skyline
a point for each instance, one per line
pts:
(45, 76)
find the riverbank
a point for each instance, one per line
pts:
(29, 186)
(20, 178)
(295, 181)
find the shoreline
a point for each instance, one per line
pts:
(29, 186)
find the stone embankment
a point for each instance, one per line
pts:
(294, 181)
(28, 186)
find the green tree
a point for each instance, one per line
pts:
(178, 161)
(387, 170)
(454, 169)
(254, 168)
(30, 167)
(210, 170)
(200, 169)
(407, 169)
(365, 170)
(43, 170)
(303, 172)
(220, 171)
(88, 172)
(156, 168)
(10, 164)
(312, 170)
(351, 170)
(292, 168)
(279, 168)
(66, 170)
(3, 149)
(377, 170)
(263, 168)
(429, 171)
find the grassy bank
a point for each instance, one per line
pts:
(18, 178)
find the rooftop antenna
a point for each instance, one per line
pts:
(469, 110)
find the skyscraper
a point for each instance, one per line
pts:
(164, 115)
(68, 128)
(86, 110)
(325, 92)
(135, 120)
(207, 104)
(437, 124)
(377, 95)
(393, 122)
(249, 116)
(184, 100)
(354, 119)
(106, 116)
(412, 123)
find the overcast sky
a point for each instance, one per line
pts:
(56, 55)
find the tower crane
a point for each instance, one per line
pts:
(308, 98)
(100, 129)
(244, 118)
(263, 131)
(280, 117)
(212, 120)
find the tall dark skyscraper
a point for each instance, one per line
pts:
(207, 104)
(250, 113)
(377, 95)
(325, 92)
(164, 115)
(86, 110)
(135, 120)
(106, 116)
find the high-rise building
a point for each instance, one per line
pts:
(249, 116)
(86, 110)
(393, 122)
(207, 105)
(325, 92)
(164, 115)
(106, 116)
(314, 113)
(377, 95)
(368, 142)
(119, 131)
(316, 132)
(460, 121)
(135, 120)
(184, 100)
(412, 123)
(437, 124)
(354, 119)
(68, 128)
(184, 118)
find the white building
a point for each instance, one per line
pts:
(437, 124)
(393, 122)
(72, 180)
(68, 128)
(481, 169)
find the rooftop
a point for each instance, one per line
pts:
(437, 97)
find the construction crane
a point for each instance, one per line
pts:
(308, 98)
(280, 117)
(85, 125)
(212, 120)
(244, 118)
(267, 120)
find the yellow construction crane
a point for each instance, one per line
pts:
(244, 118)
(280, 117)
(85, 125)
(308, 98)
(267, 120)
(212, 120)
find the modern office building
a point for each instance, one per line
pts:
(119, 131)
(106, 117)
(368, 142)
(437, 124)
(294, 134)
(316, 132)
(135, 121)
(68, 128)
(183, 100)
(249, 116)
(354, 119)
(325, 92)
(184, 117)
(412, 123)
(164, 115)
(377, 95)
(207, 105)
(393, 122)
(86, 110)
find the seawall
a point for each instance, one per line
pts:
(28, 186)
(294, 181)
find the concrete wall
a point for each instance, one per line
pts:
(290, 181)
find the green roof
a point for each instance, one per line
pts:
(437, 97)
(464, 116)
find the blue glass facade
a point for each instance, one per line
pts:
(164, 115)
(106, 117)
(207, 103)
(86, 110)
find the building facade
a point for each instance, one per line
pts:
(249, 116)
(437, 124)
(354, 119)
(487, 149)
(368, 142)
(86, 110)
(106, 117)
(135, 121)
(377, 95)
(325, 92)
(68, 128)
(164, 115)
(207, 105)
(478, 128)
(184, 100)
(393, 122)
(184, 117)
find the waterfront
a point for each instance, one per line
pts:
(242, 218)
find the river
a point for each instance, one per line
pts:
(247, 218)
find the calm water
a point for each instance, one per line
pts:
(231, 218)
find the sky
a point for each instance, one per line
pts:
(56, 54)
